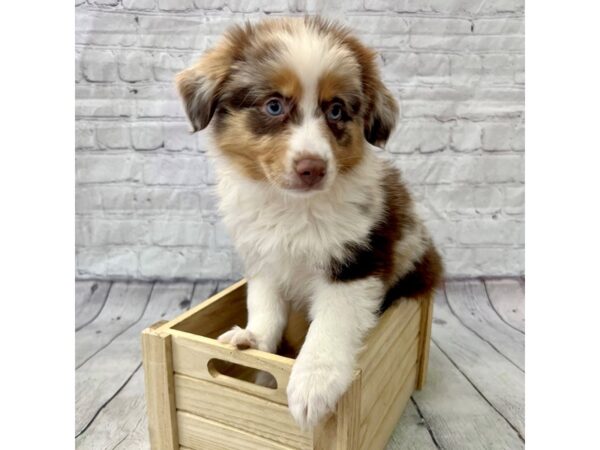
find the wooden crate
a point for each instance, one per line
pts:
(196, 399)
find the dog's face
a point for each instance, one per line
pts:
(293, 101)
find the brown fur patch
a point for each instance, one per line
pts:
(346, 142)
(259, 157)
(376, 256)
(286, 83)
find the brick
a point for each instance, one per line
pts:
(113, 108)
(457, 201)
(425, 169)
(139, 4)
(500, 25)
(498, 136)
(442, 26)
(460, 261)
(97, 232)
(113, 135)
(105, 2)
(420, 136)
(99, 65)
(502, 6)
(177, 170)
(167, 65)
(433, 68)
(170, 199)
(519, 68)
(106, 168)
(146, 136)
(466, 136)
(430, 6)
(491, 232)
(326, 8)
(465, 69)
(84, 135)
(175, 5)
(135, 66)
(497, 68)
(179, 136)
(78, 69)
(177, 231)
(514, 200)
(90, 199)
(107, 262)
(160, 262)
(400, 67)
(222, 237)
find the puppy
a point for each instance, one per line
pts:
(296, 108)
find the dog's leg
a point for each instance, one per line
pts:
(341, 313)
(267, 316)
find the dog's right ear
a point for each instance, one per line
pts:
(201, 85)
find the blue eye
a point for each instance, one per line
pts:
(274, 107)
(334, 113)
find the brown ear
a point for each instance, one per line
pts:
(201, 85)
(381, 111)
(382, 119)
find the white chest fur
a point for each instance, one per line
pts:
(293, 237)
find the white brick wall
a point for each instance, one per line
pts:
(144, 200)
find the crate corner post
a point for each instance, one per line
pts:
(425, 339)
(160, 396)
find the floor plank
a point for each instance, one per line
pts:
(124, 307)
(89, 300)
(100, 378)
(469, 301)
(411, 432)
(123, 423)
(508, 299)
(498, 381)
(457, 414)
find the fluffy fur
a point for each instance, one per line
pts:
(344, 244)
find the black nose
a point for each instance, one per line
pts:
(311, 170)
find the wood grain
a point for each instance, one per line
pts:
(99, 379)
(469, 301)
(411, 432)
(200, 434)
(160, 391)
(124, 307)
(508, 299)
(496, 379)
(89, 300)
(459, 417)
(122, 423)
(232, 407)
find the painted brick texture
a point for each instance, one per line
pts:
(144, 198)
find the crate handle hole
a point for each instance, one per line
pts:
(219, 367)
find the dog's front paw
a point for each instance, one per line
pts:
(313, 392)
(240, 337)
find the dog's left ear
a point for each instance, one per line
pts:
(381, 111)
(383, 115)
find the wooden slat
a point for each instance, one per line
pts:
(411, 433)
(508, 299)
(160, 394)
(502, 384)
(89, 300)
(385, 330)
(100, 378)
(388, 395)
(219, 313)
(235, 408)
(191, 354)
(380, 437)
(400, 356)
(424, 344)
(203, 434)
(122, 423)
(348, 417)
(457, 414)
(468, 299)
(124, 307)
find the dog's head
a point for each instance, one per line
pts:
(292, 101)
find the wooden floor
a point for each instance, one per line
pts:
(474, 397)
